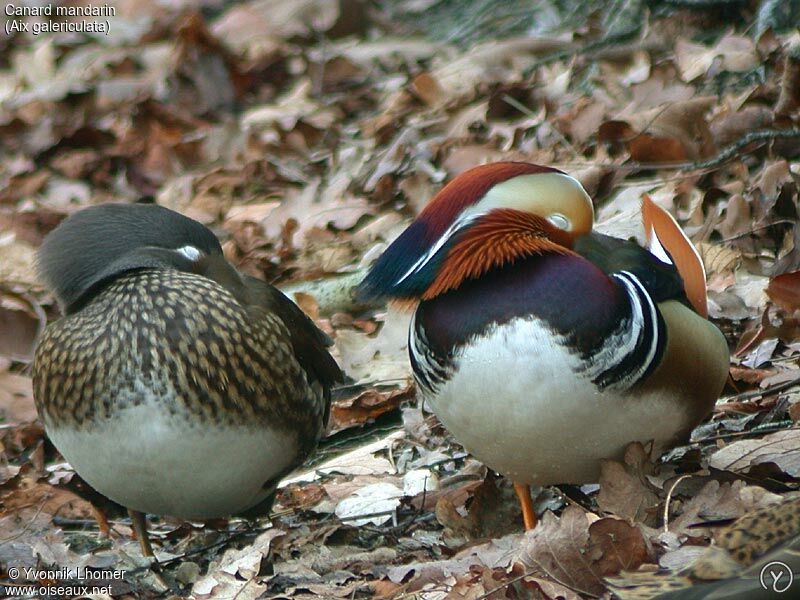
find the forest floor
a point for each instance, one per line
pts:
(307, 134)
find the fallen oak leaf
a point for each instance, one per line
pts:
(557, 548)
(494, 554)
(781, 448)
(624, 489)
(732, 53)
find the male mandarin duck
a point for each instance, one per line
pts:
(544, 347)
(174, 384)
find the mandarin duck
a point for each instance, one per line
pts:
(544, 347)
(174, 384)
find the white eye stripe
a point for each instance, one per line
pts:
(462, 221)
(189, 252)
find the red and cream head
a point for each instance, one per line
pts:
(486, 217)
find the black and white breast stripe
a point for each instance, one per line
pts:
(618, 349)
(634, 349)
(430, 369)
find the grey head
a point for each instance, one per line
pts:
(97, 244)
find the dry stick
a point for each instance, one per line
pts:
(514, 103)
(763, 135)
(731, 151)
(766, 392)
(756, 229)
(668, 500)
(728, 153)
(505, 585)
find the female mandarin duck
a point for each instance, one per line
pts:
(544, 347)
(174, 384)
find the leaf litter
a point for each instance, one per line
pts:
(307, 135)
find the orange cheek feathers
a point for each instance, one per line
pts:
(497, 239)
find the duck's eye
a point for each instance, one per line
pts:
(559, 221)
(189, 252)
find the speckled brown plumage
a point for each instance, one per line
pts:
(731, 567)
(188, 338)
(756, 533)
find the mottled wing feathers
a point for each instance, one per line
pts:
(309, 343)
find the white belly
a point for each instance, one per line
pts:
(516, 403)
(154, 462)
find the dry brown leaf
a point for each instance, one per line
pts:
(365, 407)
(363, 505)
(732, 53)
(784, 290)
(557, 546)
(51, 500)
(377, 359)
(502, 61)
(624, 489)
(585, 120)
(552, 590)
(16, 399)
(789, 98)
(236, 573)
(661, 89)
(730, 127)
(22, 320)
(427, 88)
(288, 110)
(615, 545)
(738, 217)
(673, 133)
(720, 263)
(316, 206)
(259, 28)
(781, 449)
(497, 553)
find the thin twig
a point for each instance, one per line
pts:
(734, 149)
(669, 499)
(514, 103)
(779, 387)
(504, 585)
(760, 429)
(755, 229)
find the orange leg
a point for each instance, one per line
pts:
(102, 521)
(140, 529)
(524, 494)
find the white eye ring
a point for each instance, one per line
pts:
(189, 252)
(560, 221)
